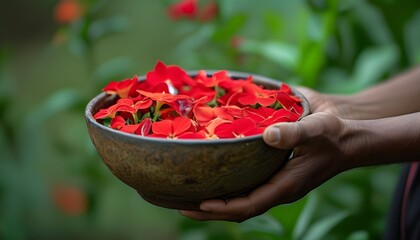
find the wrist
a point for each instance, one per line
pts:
(382, 141)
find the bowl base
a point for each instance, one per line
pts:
(172, 204)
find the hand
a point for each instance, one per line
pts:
(341, 106)
(318, 156)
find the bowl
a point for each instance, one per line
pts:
(180, 174)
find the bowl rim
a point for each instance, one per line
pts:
(234, 74)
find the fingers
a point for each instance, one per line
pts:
(282, 188)
(237, 209)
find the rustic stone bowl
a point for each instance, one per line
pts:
(180, 174)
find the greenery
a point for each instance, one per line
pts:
(47, 76)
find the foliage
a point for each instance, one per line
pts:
(338, 46)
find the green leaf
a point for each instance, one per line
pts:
(57, 103)
(112, 70)
(305, 216)
(286, 55)
(262, 224)
(194, 234)
(107, 26)
(321, 228)
(230, 28)
(311, 61)
(373, 64)
(274, 23)
(288, 214)
(195, 40)
(412, 38)
(6, 152)
(359, 235)
(372, 20)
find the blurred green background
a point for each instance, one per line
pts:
(53, 185)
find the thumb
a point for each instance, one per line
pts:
(288, 135)
(285, 135)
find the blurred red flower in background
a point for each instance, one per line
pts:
(67, 11)
(70, 199)
(184, 8)
(191, 10)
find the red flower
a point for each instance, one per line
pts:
(183, 8)
(106, 112)
(123, 105)
(289, 102)
(182, 106)
(122, 88)
(173, 76)
(204, 113)
(265, 116)
(117, 122)
(143, 128)
(238, 128)
(210, 127)
(254, 94)
(236, 86)
(172, 128)
(70, 199)
(233, 88)
(214, 80)
(67, 11)
(158, 97)
(202, 86)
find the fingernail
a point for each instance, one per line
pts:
(273, 135)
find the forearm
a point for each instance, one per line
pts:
(382, 141)
(396, 96)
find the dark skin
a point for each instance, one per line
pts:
(380, 125)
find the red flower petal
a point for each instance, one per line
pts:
(143, 104)
(192, 135)
(174, 74)
(244, 126)
(132, 128)
(163, 127)
(213, 124)
(286, 100)
(180, 125)
(203, 113)
(117, 122)
(101, 114)
(144, 127)
(238, 128)
(122, 88)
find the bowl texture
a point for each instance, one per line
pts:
(180, 174)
